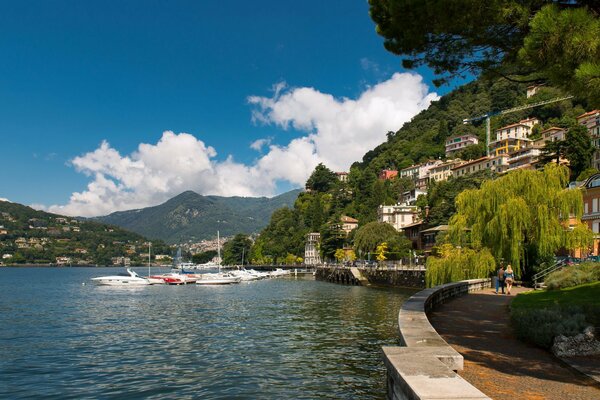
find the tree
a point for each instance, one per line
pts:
(522, 215)
(587, 173)
(237, 250)
(322, 179)
(332, 238)
(533, 40)
(472, 152)
(452, 264)
(204, 257)
(579, 149)
(340, 255)
(381, 251)
(371, 235)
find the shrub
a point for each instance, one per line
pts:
(541, 326)
(573, 276)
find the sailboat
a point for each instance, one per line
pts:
(177, 276)
(220, 278)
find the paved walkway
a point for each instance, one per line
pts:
(477, 326)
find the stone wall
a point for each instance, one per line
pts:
(424, 368)
(411, 278)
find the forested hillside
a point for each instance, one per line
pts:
(34, 237)
(327, 199)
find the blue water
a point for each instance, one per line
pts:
(271, 339)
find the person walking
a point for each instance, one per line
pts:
(509, 278)
(500, 279)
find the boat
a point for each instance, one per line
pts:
(219, 278)
(131, 278)
(177, 276)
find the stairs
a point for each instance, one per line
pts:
(359, 277)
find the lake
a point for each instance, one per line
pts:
(62, 337)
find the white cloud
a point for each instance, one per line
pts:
(260, 143)
(4, 199)
(337, 132)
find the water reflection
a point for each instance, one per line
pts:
(266, 339)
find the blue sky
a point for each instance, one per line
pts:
(77, 73)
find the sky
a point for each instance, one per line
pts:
(117, 105)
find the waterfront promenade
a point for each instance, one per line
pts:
(502, 367)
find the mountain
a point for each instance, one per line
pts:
(190, 216)
(37, 237)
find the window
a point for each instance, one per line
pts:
(596, 227)
(585, 208)
(595, 205)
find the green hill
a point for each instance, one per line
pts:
(37, 237)
(190, 216)
(423, 138)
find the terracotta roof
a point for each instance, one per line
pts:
(471, 162)
(512, 125)
(349, 219)
(588, 113)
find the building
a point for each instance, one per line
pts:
(342, 176)
(591, 120)
(411, 172)
(512, 137)
(591, 210)
(497, 164)
(429, 237)
(458, 143)
(410, 197)
(413, 233)
(443, 171)
(348, 223)
(386, 174)
(63, 260)
(553, 134)
(523, 158)
(399, 215)
(311, 249)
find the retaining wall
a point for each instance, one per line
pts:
(412, 278)
(424, 367)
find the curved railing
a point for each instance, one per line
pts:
(424, 367)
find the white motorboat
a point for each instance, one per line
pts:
(131, 278)
(221, 278)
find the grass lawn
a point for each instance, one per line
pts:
(582, 295)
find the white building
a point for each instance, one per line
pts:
(311, 249)
(399, 215)
(458, 143)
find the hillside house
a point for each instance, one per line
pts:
(399, 215)
(62, 260)
(443, 171)
(348, 223)
(591, 210)
(342, 176)
(513, 137)
(386, 174)
(591, 120)
(497, 164)
(458, 143)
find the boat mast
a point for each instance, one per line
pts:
(149, 249)
(218, 251)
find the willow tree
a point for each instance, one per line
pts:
(452, 264)
(523, 211)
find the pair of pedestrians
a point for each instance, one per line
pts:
(505, 278)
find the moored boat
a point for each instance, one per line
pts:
(131, 278)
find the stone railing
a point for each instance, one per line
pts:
(424, 368)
